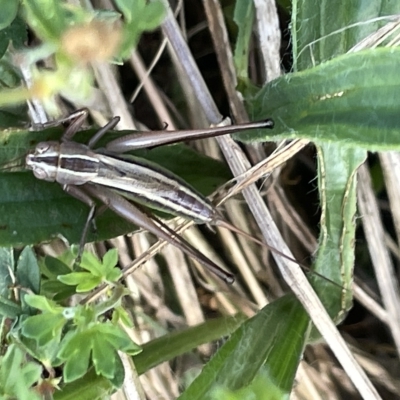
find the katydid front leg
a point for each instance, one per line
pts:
(80, 195)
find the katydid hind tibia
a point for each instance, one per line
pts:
(107, 175)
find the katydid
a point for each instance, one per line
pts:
(112, 178)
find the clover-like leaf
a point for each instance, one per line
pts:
(44, 327)
(42, 303)
(98, 271)
(84, 281)
(118, 338)
(91, 263)
(110, 259)
(100, 344)
(75, 351)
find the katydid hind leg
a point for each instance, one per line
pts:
(152, 139)
(136, 216)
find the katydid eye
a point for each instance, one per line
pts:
(40, 173)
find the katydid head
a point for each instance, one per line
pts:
(43, 161)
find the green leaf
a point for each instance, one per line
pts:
(118, 338)
(75, 350)
(98, 271)
(332, 29)
(84, 281)
(16, 33)
(335, 256)
(42, 303)
(244, 18)
(256, 390)
(90, 386)
(92, 264)
(103, 358)
(74, 278)
(32, 211)
(53, 267)
(100, 343)
(139, 16)
(89, 283)
(9, 308)
(9, 9)
(169, 346)
(47, 18)
(275, 336)
(27, 271)
(55, 287)
(127, 7)
(17, 375)
(25, 275)
(6, 271)
(44, 328)
(152, 15)
(121, 315)
(359, 115)
(335, 102)
(110, 259)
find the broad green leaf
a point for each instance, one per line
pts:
(152, 15)
(335, 102)
(57, 290)
(274, 337)
(32, 211)
(346, 105)
(324, 29)
(371, 117)
(45, 354)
